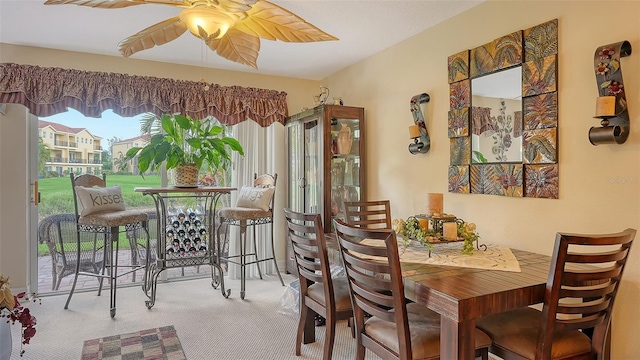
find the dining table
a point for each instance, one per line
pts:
(461, 295)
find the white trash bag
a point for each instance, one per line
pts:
(290, 299)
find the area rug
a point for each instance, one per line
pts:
(151, 344)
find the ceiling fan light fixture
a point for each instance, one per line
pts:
(213, 21)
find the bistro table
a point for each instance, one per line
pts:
(176, 230)
(460, 295)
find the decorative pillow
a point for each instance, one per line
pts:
(255, 197)
(99, 199)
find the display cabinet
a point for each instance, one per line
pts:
(325, 157)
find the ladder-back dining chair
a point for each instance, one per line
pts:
(576, 314)
(101, 210)
(254, 206)
(319, 293)
(58, 232)
(395, 329)
(369, 214)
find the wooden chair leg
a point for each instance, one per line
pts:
(330, 336)
(352, 325)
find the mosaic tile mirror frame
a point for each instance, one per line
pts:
(504, 143)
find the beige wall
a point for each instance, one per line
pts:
(599, 185)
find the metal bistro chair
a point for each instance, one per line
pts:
(319, 293)
(253, 207)
(369, 214)
(103, 212)
(581, 269)
(136, 239)
(396, 329)
(59, 231)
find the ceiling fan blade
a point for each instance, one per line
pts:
(235, 6)
(271, 22)
(116, 4)
(237, 46)
(158, 34)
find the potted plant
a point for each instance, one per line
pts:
(12, 311)
(186, 144)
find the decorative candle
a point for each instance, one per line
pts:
(434, 204)
(414, 131)
(424, 223)
(450, 231)
(606, 107)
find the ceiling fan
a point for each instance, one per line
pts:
(232, 28)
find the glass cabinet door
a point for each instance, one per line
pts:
(312, 169)
(296, 160)
(345, 164)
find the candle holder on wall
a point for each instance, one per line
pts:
(611, 105)
(418, 132)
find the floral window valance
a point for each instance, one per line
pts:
(48, 91)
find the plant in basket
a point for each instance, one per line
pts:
(13, 310)
(186, 144)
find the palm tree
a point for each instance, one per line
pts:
(44, 155)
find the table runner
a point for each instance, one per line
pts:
(496, 257)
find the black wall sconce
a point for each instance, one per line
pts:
(611, 105)
(418, 132)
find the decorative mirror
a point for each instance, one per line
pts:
(503, 115)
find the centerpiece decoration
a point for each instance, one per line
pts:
(186, 144)
(13, 310)
(411, 229)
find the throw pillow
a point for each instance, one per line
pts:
(255, 197)
(99, 199)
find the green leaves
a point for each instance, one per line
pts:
(186, 140)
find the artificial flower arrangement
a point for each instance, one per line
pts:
(13, 310)
(410, 229)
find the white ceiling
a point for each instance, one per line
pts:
(364, 27)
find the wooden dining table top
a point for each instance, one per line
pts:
(460, 295)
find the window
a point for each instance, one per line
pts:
(90, 141)
(50, 135)
(44, 133)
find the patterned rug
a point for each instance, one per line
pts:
(151, 344)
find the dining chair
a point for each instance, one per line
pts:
(101, 210)
(576, 313)
(369, 214)
(254, 206)
(395, 329)
(319, 293)
(58, 232)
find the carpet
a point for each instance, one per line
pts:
(151, 344)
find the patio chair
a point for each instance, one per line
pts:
(58, 231)
(253, 207)
(575, 320)
(103, 212)
(369, 214)
(395, 329)
(319, 293)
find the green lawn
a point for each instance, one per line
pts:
(56, 197)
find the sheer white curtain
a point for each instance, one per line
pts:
(264, 152)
